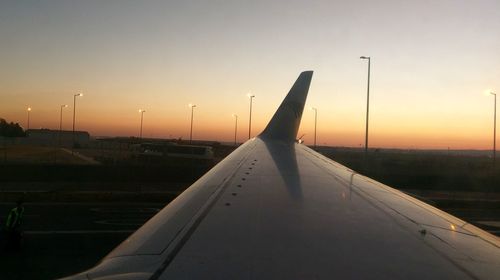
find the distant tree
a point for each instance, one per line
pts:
(11, 129)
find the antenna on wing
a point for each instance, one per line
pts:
(285, 123)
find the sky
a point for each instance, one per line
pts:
(431, 64)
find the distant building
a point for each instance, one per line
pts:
(48, 137)
(173, 150)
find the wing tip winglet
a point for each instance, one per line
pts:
(285, 123)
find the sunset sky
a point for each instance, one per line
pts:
(432, 61)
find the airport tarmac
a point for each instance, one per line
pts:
(61, 239)
(66, 238)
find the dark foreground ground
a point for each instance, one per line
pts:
(61, 239)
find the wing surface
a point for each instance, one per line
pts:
(275, 209)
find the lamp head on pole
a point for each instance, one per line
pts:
(364, 57)
(488, 92)
(141, 111)
(64, 106)
(235, 116)
(29, 109)
(250, 95)
(192, 105)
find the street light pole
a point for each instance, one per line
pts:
(60, 122)
(60, 117)
(315, 123)
(28, 124)
(142, 117)
(191, 131)
(367, 102)
(251, 96)
(235, 127)
(494, 127)
(74, 113)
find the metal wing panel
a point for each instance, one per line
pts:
(293, 219)
(476, 250)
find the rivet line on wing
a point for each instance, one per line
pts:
(243, 179)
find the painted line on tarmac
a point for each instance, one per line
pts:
(130, 222)
(126, 210)
(42, 232)
(490, 223)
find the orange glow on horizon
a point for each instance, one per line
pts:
(214, 120)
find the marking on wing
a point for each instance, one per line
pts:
(240, 186)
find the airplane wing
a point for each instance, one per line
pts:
(275, 209)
